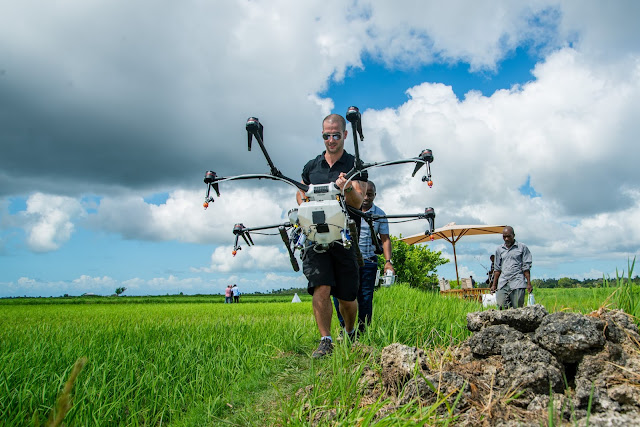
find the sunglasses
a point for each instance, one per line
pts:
(336, 136)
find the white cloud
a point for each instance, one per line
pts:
(48, 220)
(571, 131)
(414, 32)
(25, 286)
(93, 284)
(255, 258)
(183, 218)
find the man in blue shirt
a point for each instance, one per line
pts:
(369, 270)
(512, 271)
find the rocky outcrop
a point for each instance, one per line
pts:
(569, 336)
(526, 319)
(520, 361)
(399, 363)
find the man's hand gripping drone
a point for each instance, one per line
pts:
(322, 218)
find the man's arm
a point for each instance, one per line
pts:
(527, 259)
(497, 269)
(300, 195)
(527, 275)
(387, 250)
(353, 197)
(354, 192)
(494, 286)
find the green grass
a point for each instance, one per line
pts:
(196, 361)
(582, 300)
(168, 299)
(146, 364)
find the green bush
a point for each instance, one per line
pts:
(415, 264)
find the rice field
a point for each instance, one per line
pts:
(146, 364)
(170, 361)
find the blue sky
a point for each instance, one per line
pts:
(530, 110)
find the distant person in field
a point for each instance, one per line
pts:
(473, 282)
(370, 268)
(512, 271)
(228, 295)
(236, 293)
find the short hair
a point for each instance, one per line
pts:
(373, 185)
(336, 118)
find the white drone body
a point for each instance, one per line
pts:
(322, 218)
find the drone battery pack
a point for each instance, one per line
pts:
(322, 220)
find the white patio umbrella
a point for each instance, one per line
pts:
(453, 232)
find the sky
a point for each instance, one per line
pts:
(112, 111)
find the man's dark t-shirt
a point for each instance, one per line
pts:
(317, 171)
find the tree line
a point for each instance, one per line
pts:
(567, 282)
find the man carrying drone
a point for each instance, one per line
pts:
(324, 226)
(334, 271)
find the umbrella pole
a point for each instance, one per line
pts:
(455, 260)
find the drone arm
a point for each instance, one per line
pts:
(372, 232)
(425, 158)
(287, 244)
(298, 185)
(374, 240)
(354, 238)
(354, 117)
(236, 247)
(266, 227)
(429, 214)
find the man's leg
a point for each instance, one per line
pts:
(365, 293)
(322, 309)
(336, 303)
(345, 267)
(517, 296)
(349, 310)
(502, 297)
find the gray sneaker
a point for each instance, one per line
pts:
(325, 348)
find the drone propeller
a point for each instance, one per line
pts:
(354, 117)
(254, 127)
(210, 180)
(241, 230)
(426, 156)
(236, 247)
(246, 236)
(431, 217)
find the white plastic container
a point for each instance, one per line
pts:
(389, 278)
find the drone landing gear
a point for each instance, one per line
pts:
(287, 244)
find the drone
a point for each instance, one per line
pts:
(323, 217)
